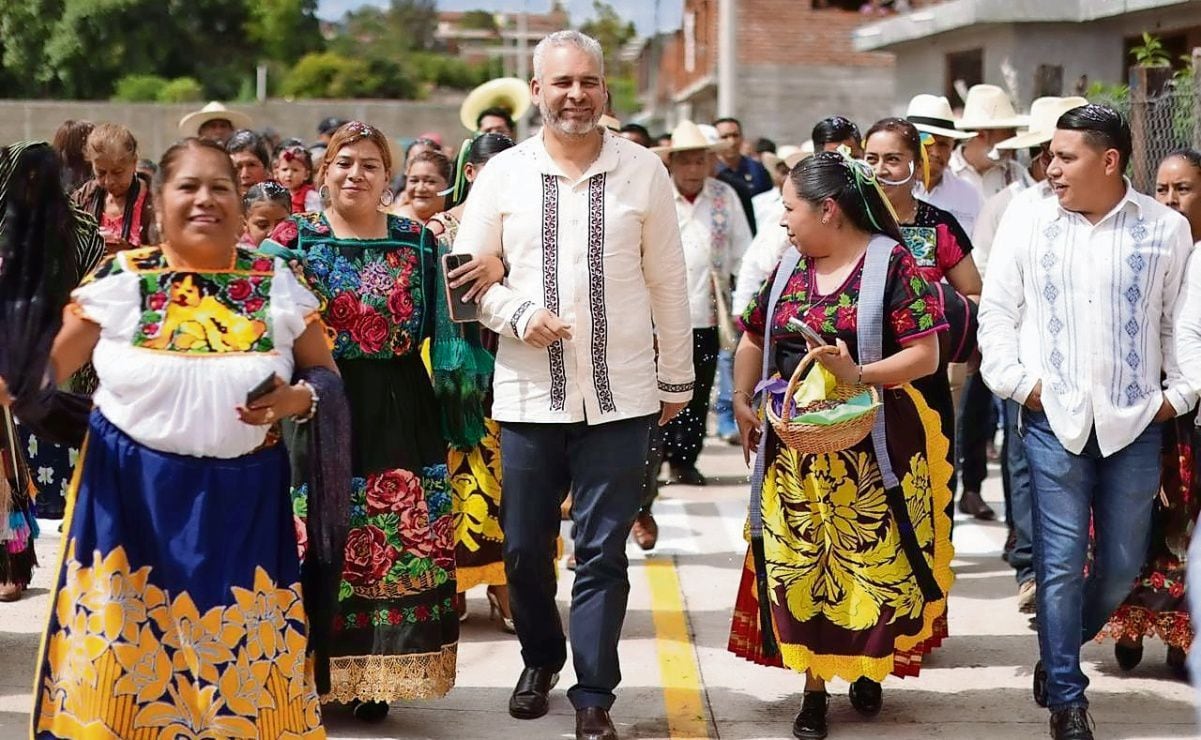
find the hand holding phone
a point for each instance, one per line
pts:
(263, 388)
(461, 311)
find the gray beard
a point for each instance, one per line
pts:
(567, 128)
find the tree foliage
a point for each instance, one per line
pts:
(613, 33)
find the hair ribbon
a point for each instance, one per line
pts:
(865, 176)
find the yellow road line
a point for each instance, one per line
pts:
(678, 668)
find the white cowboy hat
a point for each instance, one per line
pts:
(510, 93)
(931, 114)
(686, 137)
(190, 124)
(790, 154)
(987, 107)
(1044, 114)
(609, 122)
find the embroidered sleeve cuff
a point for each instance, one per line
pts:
(521, 319)
(676, 392)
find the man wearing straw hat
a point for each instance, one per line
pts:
(715, 234)
(1020, 195)
(990, 115)
(931, 114)
(214, 122)
(585, 220)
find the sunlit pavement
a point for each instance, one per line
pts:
(680, 682)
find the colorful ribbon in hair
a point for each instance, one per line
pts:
(459, 186)
(926, 140)
(864, 174)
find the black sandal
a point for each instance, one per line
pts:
(369, 711)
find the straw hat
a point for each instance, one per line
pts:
(509, 93)
(771, 161)
(190, 124)
(686, 137)
(988, 107)
(1044, 115)
(790, 155)
(609, 122)
(931, 114)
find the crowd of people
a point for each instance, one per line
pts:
(303, 397)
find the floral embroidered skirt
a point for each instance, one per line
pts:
(475, 482)
(177, 611)
(1158, 604)
(845, 602)
(396, 632)
(50, 467)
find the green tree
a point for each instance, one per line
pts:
(612, 32)
(285, 30)
(25, 28)
(139, 88)
(478, 20)
(181, 90)
(332, 75)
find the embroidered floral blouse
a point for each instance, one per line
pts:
(936, 241)
(913, 309)
(376, 295)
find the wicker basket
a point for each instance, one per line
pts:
(816, 439)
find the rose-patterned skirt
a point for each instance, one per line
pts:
(844, 601)
(177, 611)
(396, 633)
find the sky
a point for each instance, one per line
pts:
(642, 12)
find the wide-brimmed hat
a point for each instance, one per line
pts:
(1044, 115)
(790, 154)
(610, 122)
(190, 124)
(509, 93)
(931, 114)
(686, 137)
(988, 107)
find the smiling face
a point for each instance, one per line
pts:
(199, 201)
(422, 186)
(893, 162)
(571, 92)
(1178, 186)
(1079, 170)
(356, 177)
(114, 174)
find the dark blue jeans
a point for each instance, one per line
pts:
(603, 466)
(1018, 506)
(1118, 492)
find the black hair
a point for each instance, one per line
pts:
(1188, 154)
(166, 165)
(147, 164)
(1103, 127)
(245, 140)
(639, 131)
(902, 128)
(834, 129)
(830, 175)
(765, 145)
(267, 190)
(329, 125)
(487, 146)
(291, 141)
(728, 119)
(497, 113)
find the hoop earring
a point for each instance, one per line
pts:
(323, 191)
(387, 197)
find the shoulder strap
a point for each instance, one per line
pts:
(871, 333)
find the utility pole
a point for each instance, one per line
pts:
(727, 61)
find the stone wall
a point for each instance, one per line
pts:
(156, 125)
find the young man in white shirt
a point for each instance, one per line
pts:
(1077, 324)
(715, 235)
(586, 223)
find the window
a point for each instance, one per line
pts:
(964, 69)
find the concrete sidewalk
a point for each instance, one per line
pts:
(679, 680)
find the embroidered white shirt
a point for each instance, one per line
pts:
(1089, 311)
(603, 253)
(956, 196)
(715, 234)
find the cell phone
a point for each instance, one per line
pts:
(260, 390)
(797, 325)
(460, 312)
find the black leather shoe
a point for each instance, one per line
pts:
(530, 698)
(370, 711)
(1040, 685)
(810, 722)
(867, 696)
(1177, 661)
(688, 476)
(593, 723)
(1071, 724)
(1128, 657)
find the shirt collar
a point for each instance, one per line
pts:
(606, 160)
(1131, 200)
(706, 191)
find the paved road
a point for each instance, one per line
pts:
(681, 683)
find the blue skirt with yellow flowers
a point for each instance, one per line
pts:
(177, 611)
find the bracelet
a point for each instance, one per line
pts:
(312, 405)
(750, 398)
(860, 380)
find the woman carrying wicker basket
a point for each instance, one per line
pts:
(849, 564)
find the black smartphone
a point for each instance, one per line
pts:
(460, 312)
(261, 389)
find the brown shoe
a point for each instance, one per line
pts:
(646, 531)
(593, 723)
(11, 591)
(972, 504)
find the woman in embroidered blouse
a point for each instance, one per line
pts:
(396, 633)
(180, 580)
(844, 601)
(1158, 604)
(117, 196)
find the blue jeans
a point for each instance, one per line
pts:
(1018, 511)
(1118, 491)
(724, 408)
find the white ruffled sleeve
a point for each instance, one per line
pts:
(110, 298)
(293, 306)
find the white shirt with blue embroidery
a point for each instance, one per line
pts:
(1088, 310)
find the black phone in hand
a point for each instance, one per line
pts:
(260, 390)
(460, 312)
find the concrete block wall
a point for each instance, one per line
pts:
(783, 101)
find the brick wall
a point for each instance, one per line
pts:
(792, 32)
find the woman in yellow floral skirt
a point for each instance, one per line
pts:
(847, 572)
